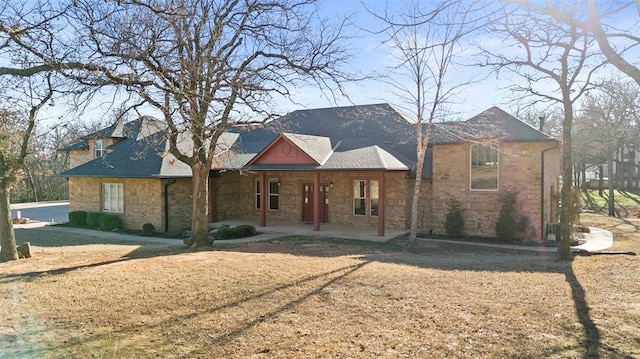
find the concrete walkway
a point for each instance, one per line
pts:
(598, 240)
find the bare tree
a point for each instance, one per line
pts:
(18, 119)
(609, 118)
(556, 64)
(425, 40)
(602, 21)
(208, 64)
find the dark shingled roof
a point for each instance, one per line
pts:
(367, 137)
(493, 123)
(137, 154)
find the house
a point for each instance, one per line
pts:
(346, 165)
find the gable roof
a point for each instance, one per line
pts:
(493, 123)
(139, 153)
(366, 137)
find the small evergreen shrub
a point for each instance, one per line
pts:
(454, 222)
(78, 218)
(93, 219)
(109, 222)
(510, 226)
(148, 229)
(240, 231)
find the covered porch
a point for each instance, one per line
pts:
(327, 230)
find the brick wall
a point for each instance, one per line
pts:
(519, 171)
(180, 202)
(143, 200)
(236, 197)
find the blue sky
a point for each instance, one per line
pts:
(371, 56)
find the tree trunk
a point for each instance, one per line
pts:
(199, 220)
(8, 251)
(564, 249)
(610, 201)
(584, 176)
(631, 169)
(415, 202)
(600, 180)
(32, 184)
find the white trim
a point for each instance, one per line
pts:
(269, 194)
(114, 200)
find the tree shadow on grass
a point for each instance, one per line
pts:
(326, 279)
(45, 238)
(627, 195)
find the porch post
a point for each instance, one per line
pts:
(263, 199)
(316, 201)
(381, 202)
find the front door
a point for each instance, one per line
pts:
(309, 207)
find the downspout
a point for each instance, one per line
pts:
(166, 205)
(542, 229)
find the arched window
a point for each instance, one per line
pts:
(484, 167)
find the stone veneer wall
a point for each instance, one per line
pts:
(519, 171)
(236, 197)
(180, 200)
(143, 200)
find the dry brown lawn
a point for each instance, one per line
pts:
(306, 298)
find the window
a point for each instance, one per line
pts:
(99, 148)
(359, 198)
(257, 193)
(373, 198)
(365, 198)
(113, 197)
(484, 167)
(274, 189)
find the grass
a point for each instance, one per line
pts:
(626, 203)
(293, 297)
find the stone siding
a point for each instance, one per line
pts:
(236, 196)
(518, 171)
(180, 202)
(143, 200)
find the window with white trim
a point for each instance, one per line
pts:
(113, 197)
(274, 194)
(365, 197)
(484, 167)
(100, 150)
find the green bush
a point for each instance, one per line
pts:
(78, 218)
(148, 229)
(109, 222)
(454, 222)
(93, 219)
(240, 231)
(510, 226)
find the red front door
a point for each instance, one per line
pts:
(309, 207)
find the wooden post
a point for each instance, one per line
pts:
(316, 202)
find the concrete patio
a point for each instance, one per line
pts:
(327, 230)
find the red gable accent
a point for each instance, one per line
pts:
(282, 151)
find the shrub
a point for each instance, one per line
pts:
(240, 231)
(148, 229)
(78, 218)
(510, 226)
(454, 222)
(93, 219)
(109, 222)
